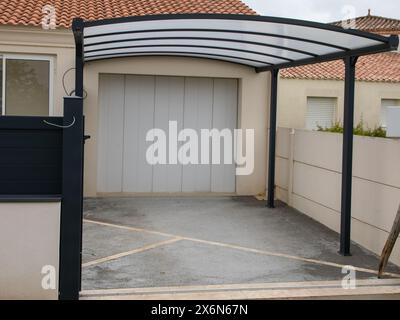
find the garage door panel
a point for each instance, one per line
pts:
(138, 120)
(110, 139)
(132, 105)
(224, 117)
(197, 116)
(169, 101)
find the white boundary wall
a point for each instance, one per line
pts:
(308, 178)
(29, 245)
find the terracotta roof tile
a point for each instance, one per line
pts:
(29, 12)
(383, 67)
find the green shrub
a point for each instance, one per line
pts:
(359, 130)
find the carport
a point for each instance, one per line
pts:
(266, 44)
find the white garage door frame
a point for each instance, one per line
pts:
(130, 105)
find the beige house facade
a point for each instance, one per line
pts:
(371, 98)
(28, 44)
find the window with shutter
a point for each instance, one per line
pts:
(320, 112)
(386, 103)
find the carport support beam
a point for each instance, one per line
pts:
(272, 138)
(347, 161)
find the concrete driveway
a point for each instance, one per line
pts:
(161, 242)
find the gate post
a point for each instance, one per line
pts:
(72, 194)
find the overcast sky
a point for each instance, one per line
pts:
(325, 10)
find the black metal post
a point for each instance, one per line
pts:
(72, 192)
(272, 138)
(77, 28)
(347, 161)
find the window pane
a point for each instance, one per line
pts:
(27, 87)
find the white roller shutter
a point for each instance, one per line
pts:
(320, 112)
(386, 103)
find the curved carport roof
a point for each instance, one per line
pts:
(264, 43)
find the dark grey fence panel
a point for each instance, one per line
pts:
(30, 156)
(42, 157)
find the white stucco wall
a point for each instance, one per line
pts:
(30, 241)
(308, 178)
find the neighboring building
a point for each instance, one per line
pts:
(317, 91)
(36, 67)
(375, 24)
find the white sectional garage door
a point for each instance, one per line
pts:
(132, 105)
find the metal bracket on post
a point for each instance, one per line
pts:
(347, 161)
(272, 138)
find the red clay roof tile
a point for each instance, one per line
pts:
(383, 67)
(29, 12)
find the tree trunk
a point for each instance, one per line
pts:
(390, 243)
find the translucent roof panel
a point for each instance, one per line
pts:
(256, 41)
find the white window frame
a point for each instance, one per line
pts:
(50, 59)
